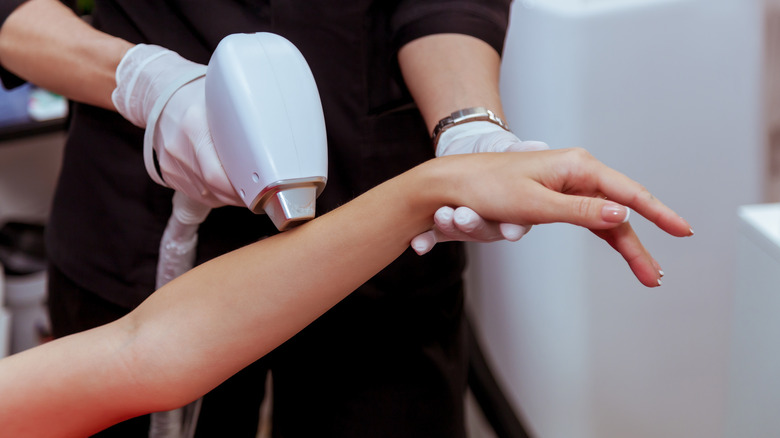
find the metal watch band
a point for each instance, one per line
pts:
(466, 115)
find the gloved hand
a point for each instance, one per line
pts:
(463, 223)
(159, 90)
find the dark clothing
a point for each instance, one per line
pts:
(229, 410)
(389, 360)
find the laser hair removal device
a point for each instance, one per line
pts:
(265, 117)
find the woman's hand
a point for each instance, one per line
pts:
(462, 223)
(567, 185)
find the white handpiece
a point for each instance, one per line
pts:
(265, 117)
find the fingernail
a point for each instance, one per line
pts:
(660, 282)
(661, 273)
(615, 213)
(691, 231)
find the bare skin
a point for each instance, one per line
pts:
(179, 343)
(206, 325)
(33, 47)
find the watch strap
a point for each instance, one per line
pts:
(466, 115)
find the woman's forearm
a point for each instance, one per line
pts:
(32, 46)
(209, 323)
(243, 304)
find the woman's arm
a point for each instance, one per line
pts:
(42, 39)
(209, 323)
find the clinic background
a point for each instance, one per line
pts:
(681, 95)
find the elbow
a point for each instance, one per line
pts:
(149, 375)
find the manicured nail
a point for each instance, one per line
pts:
(660, 273)
(660, 282)
(691, 231)
(615, 213)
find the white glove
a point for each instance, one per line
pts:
(159, 90)
(463, 223)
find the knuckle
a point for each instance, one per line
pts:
(194, 115)
(582, 207)
(580, 154)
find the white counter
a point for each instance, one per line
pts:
(754, 375)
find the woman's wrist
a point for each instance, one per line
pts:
(436, 184)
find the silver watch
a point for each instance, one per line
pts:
(466, 115)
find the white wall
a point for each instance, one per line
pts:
(669, 92)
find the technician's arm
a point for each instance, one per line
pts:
(47, 44)
(449, 72)
(209, 323)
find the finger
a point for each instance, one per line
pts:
(474, 227)
(447, 227)
(576, 171)
(513, 232)
(623, 190)
(478, 229)
(423, 243)
(212, 172)
(585, 211)
(625, 241)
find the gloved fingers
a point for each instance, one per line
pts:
(186, 155)
(172, 172)
(472, 227)
(213, 175)
(513, 232)
(424, 242)
(442, 231)
(475, 228)
(465, 225)
(444, 223)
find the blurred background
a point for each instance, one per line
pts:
(681, 95)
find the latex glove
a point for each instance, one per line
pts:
(159, 90)
(463, 223)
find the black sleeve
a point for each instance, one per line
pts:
(8, 79)
(486, 20)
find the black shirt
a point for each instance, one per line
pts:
(389, 359)
(108, 216)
